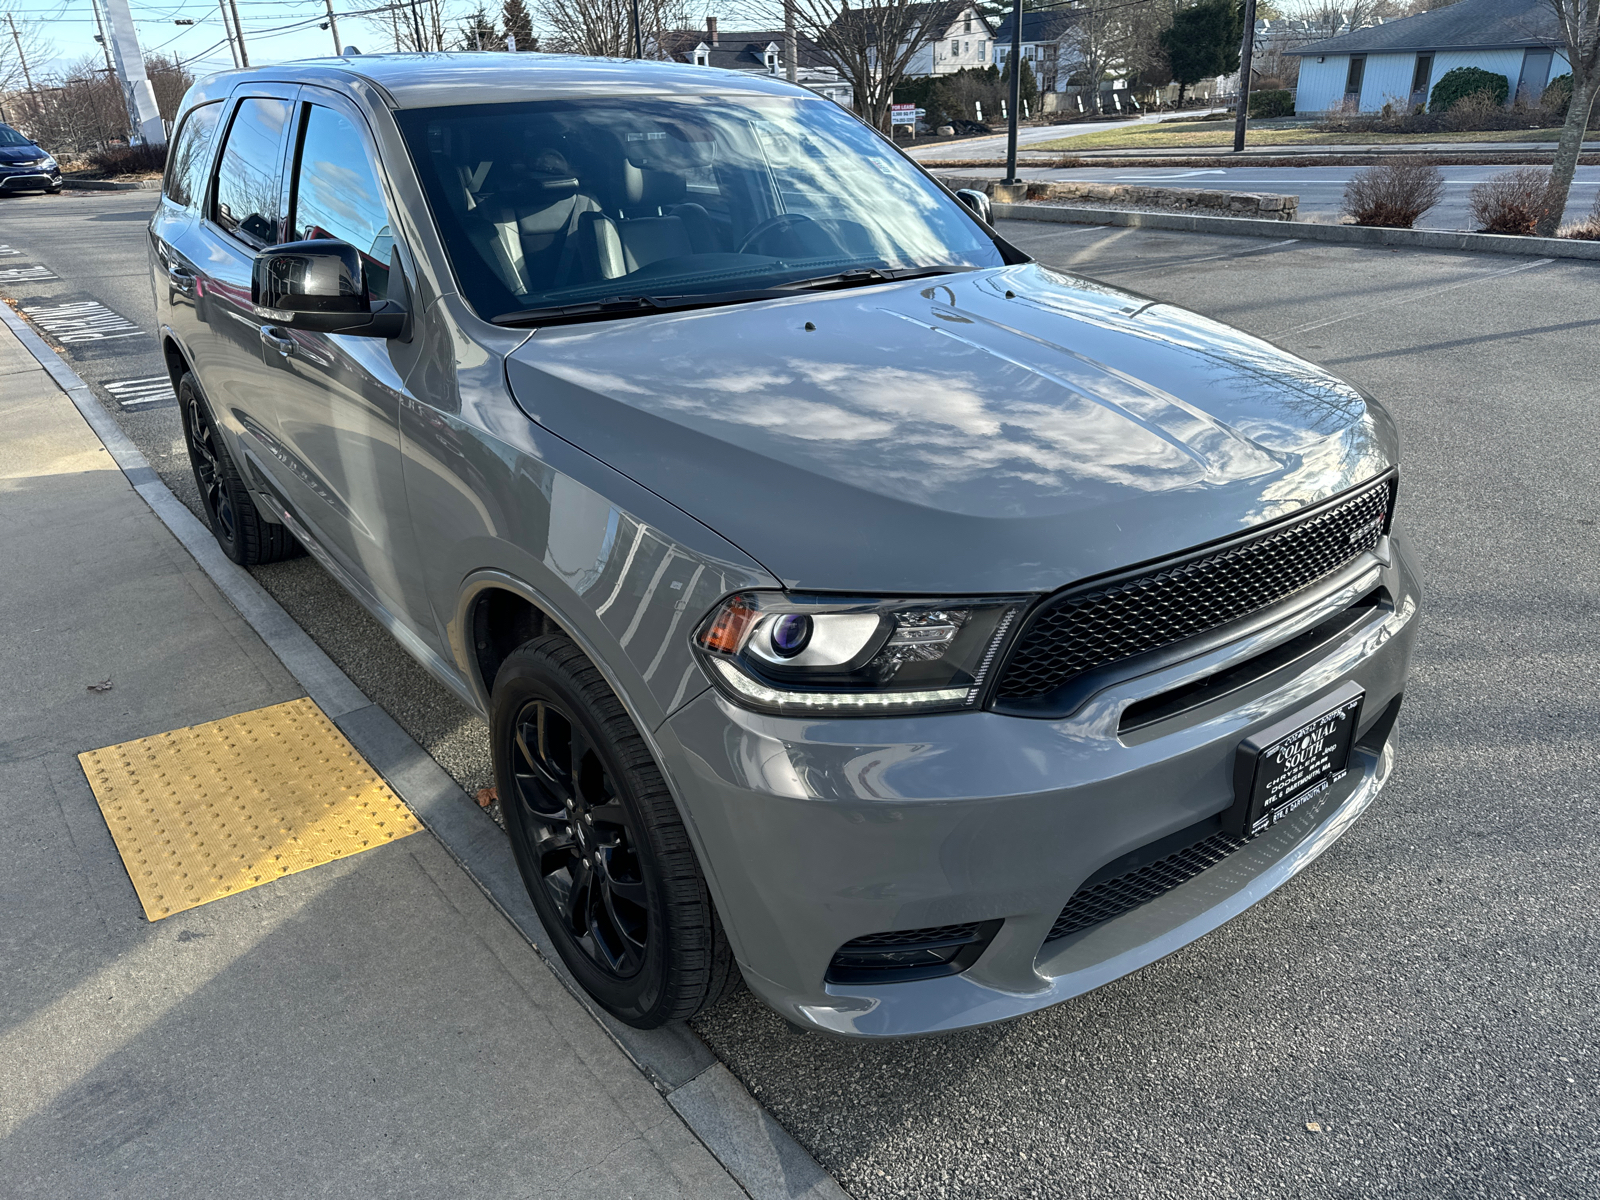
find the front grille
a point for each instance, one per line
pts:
(911, 937)
(1113, 897)
(1099, 625)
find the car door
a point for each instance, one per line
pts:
(183, 194)
(337, 397)
(243, 215)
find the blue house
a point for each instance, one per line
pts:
(1398, 62)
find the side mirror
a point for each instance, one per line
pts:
(320, 286)
(978, 202)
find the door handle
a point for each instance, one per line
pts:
(181, 279)
(276, 339)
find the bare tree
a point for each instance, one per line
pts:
(1113, 39)
(36, 48)
(412, 25)
(605, 27)
(872, 44)
(1579, 23)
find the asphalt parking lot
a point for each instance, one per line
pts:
(1414, 1015)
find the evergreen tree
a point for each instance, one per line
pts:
(516, 22)
(479, 32)
(1029, 85)
(1203, 42)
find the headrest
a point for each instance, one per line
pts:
(650, 188)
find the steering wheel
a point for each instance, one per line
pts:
(770, 225)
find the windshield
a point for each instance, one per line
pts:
(575, 202)
(10, 137)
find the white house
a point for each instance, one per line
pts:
(967, 41)
(758, 52)
(1398, 62)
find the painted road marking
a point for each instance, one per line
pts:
(135, 393)
(1180, 175)
(8, 251)
(18, 274)
(81, 321)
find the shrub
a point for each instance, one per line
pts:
(1587, 230)
(1557, 95)
(128, 160)
(1266, 105)
(1477, 111)
(1393, 193)
(1462, 82)
(1512, 201)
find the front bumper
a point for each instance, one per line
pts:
(816, 832)
(28, 179)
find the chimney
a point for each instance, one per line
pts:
(711, 28)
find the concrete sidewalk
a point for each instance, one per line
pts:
(370, 1027)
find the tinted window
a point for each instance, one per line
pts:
(251, 171)
(10, 137)
(186, 169)
(567, 201)
(338, 195)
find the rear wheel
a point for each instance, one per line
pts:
(244, 535)
(598, 840)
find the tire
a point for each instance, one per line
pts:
(244, 535)
(597, 837)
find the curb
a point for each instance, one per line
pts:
(1059, 160)
(757, 1152)
(1351, 235)
(108, 185)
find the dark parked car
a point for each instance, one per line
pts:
(855, 604)
(24, 166)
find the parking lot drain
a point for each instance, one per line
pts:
(215, 809)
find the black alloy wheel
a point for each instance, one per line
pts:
(208, 471)
(243, 533)
(577, 834)
(598, 840)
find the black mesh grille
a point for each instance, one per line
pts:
(1088, 629)
(1113, 897)
(913, 937)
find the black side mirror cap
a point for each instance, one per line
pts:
(978, 202)
(321, 286)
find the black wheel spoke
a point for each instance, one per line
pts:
(575, 829)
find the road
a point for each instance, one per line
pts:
(987, 147)
(1320, 188)
(1414, 1015)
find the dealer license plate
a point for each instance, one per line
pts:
(1294, 761)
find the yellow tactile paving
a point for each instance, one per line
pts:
(214, 809)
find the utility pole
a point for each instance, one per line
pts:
(227, 30)
(791, 43)
(105, 46)
(638, 34)
(17, 38)
(333, 26)
(1243, 116)
(238, 32)
(1016, 90)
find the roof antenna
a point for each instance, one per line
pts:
(350, 51)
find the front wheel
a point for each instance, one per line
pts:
(597, 837)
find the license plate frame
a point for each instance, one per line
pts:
(1293, 761)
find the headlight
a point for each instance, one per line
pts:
(787, 653)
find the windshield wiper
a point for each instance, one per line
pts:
(611, 306)
(857, 276)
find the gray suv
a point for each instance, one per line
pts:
(857, 606)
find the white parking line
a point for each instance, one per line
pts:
(81, 321)
(18, 274)
(1411, 297)
(136, 393)
(8, 251)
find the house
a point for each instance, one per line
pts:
(967, 40)
(759, 52)
(1398, 62)
(1046, 36)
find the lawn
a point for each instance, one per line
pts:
(1220, 133)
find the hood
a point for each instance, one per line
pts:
(1014, 429)
(10, 155)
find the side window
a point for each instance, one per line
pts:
(337, 193)
(186, 170)
(250, 173)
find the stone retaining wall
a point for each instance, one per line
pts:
(1263, 206)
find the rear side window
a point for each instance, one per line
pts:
(337, 194)
(186, 170)
(250, 175)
